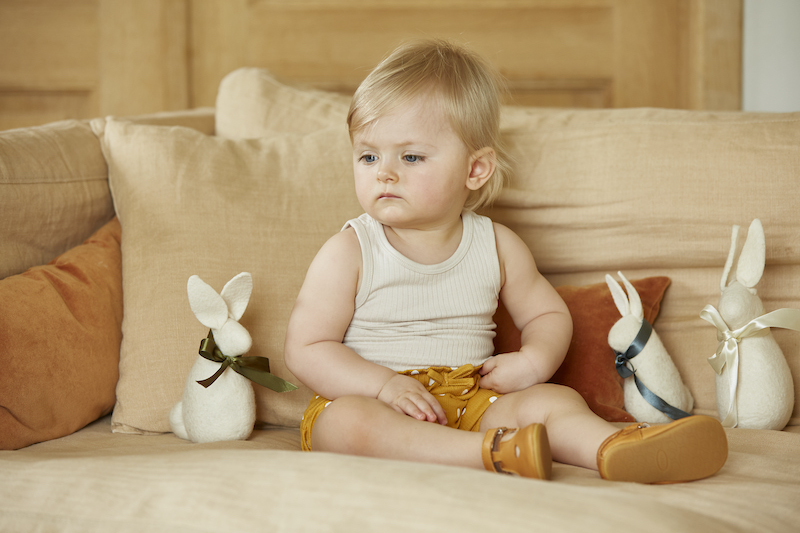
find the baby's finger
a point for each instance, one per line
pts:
(488, 381)
(414, 407)
(431, 407)
(438, 411)
(428, 407)
(433, 411)
(411, 409)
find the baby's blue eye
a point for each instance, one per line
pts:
(412, 158)
(369, 158)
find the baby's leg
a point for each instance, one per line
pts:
(358, 425)
(574, 431)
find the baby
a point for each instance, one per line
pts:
(393, 326)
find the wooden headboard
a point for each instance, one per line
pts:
(86, 58)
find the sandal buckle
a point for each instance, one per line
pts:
(495, 445)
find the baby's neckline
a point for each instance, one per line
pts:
(467, 231)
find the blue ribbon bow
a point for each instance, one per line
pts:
(622, 362)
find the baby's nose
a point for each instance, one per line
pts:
(386, 173)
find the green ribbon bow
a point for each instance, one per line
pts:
(254, 368)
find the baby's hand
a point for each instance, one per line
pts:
(406, 395)
(508, 372)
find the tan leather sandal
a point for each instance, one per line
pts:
(526, 453)
(687, 449)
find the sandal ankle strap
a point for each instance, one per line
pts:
(490, 449)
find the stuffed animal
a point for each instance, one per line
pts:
(653, 389)
(224, 410)
(754, 384)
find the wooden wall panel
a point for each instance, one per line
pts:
(31, 107)
(219, 45)
(47, 43)
(566, 53)
(647, 44)
(85, 58)
(47, 67)
(712, 54)
(562, 54)
(143, 56)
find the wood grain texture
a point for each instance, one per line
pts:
(85, 58)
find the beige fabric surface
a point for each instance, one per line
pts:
(252, 103)
(54, 186)
(98, 481)
(655, 192)
(196, 204)
(53, 193)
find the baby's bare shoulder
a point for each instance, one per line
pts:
(509, 244)
(341, 248)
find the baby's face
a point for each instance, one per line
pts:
(410, 167)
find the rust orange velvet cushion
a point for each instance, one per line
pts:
(589, 365)
(60, 331)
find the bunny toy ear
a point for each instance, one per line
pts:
(208, 306)
(750, 267)
(633, 298)
(236, 294)
(620, 300)
(723, 282)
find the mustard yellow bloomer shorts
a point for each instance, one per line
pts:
(457, 390)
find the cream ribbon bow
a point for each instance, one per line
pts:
(728, 349)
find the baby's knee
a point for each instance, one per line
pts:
(565, 392)
(552, 398)
(552, 390)
(343, 424)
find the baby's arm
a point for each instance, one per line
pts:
(538, 312)
(314, 351)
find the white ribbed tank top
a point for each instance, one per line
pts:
(409, 315)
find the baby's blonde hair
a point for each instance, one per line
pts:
(468, 89)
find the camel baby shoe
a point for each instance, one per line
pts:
(526, 453)
(687, 449)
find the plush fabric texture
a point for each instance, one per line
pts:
(196, 204)
(60, 326)
(251, 103)
(227, 409)
(53, 193)
(589, 364)
(653, 366)
(761, 385)
(96, 481)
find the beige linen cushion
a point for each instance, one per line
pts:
(53, 193)
(651, 192)
(196, 204)
(54, 187)
(252, 103)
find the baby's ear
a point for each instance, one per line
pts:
(483, 163)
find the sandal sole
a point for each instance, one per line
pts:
(686, 450)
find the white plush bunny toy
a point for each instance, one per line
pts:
(224, 410)
(754, 384)
(653, 389)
